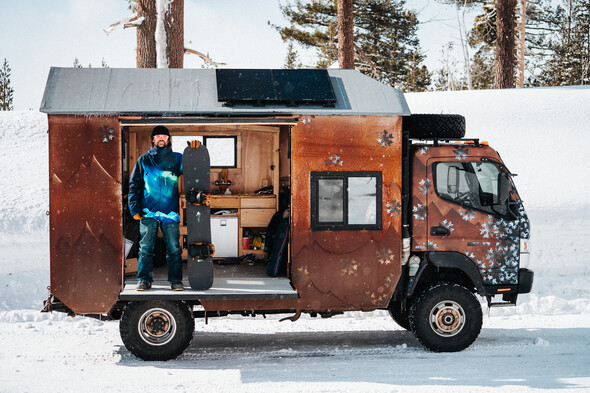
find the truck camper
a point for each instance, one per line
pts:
(384, 209)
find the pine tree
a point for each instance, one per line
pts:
(448, 78)
(482, 68)
(570, 61)
(6, 90)
(539, 27)
(292, 58)
(385, 38)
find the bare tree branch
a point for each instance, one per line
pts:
(205, 58)
(363, 55)
(132, 21)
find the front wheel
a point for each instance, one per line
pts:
(446, 318)
(400, 314)
(156, 330)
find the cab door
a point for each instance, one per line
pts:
(468, 214)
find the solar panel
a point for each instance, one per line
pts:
(262, 87)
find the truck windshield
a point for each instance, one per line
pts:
(474, 184)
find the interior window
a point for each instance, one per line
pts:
(473, 184)
(222, 149)
(346, 200)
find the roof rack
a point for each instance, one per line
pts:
(437, 141)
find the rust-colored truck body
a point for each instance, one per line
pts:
(378, 217)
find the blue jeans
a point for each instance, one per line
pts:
(148, 229)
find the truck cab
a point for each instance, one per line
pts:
(384, 209)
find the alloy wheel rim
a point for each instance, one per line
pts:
(447, 318)
(157, 327)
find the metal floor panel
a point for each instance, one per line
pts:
(223, 288)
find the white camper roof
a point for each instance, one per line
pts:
(194, 92)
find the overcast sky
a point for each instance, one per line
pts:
(38, 34)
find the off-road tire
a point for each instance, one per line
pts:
(156, 330)
(446, 318)
(429, 126)
(399, 315)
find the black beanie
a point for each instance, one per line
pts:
(160, 130)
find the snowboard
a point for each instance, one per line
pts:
(196, 171)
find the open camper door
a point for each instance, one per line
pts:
(85, 212)
(346, 210)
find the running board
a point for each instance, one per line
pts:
(223, 288)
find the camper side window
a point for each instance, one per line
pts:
(345, 200)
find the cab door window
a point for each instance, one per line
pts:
(472, 184)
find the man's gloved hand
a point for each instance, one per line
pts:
(137, 216)
(195, 144)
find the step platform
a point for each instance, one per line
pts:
(223, 288)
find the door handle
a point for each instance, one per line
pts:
(439, 231)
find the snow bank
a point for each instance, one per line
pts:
(24, 173)
(542, 134)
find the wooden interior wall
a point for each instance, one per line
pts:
(255, 153)
(85, 212)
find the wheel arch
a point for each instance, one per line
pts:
(448, 266)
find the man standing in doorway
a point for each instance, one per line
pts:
(153, 199)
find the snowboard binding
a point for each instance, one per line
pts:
(201, 250)
(198, 198)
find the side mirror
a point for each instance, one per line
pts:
(503, 189)
(453, 180)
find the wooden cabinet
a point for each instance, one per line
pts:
(255, 217)
(255, 213)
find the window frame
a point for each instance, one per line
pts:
(235, 140)
(204, 137)
(316, 176)
(435, 179)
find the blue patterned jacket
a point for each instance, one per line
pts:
(153, 186)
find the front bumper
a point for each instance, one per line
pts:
(525, 280)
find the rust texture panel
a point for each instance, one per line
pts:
(85, 203)
(489, 240)
(341, 270)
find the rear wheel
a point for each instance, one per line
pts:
(156, 330)
(446, 318)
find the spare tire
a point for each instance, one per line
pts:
(427, 126)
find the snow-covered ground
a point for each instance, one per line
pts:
(543, 344)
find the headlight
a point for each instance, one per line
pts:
(525, 252)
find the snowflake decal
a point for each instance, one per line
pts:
(424, 149)
(447, 224)
(393, 207)
(385, 256)
(467, 214)
(306, 120)
(461, 153)
(348, 267)
(106, 134)
(419, 212)
(389, 281)
(374, 298)
(424, 185)
(334, 160)
(430, 246)
(490, 228)
(385, 139)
